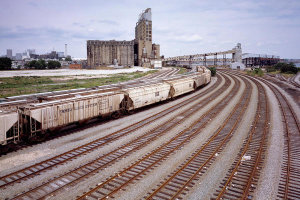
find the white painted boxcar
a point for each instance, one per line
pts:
(180, 86)
(43, 116)
(146, 94)
(9, 127)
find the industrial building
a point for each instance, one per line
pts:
(259, 60)
(139, 51)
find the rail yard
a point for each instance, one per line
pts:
(173, 136)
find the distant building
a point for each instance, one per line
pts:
(75, 66)
(139, 51)
(18, 56)
(259, 60)
(9, 53)
(61, 54)
(31, 51)
(103, 53)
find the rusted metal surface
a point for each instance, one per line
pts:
(36, 169)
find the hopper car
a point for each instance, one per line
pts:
(57, 110)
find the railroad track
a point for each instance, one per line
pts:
(146, 164)
(241, 179)
(293, 82)
(50, 187)
(33, 170)
(167, 73)
(283, 79)
(161, 74)
(178, 183)
(289, 186)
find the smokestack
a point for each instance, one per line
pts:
(66, 51)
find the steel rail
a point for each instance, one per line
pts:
(291, 145)
(90, 146)
(161, 156)
(279, 95)
(253, 169)
(131, 145)
(212, 154)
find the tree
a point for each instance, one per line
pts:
(53, 64)
(31, 64)
(68, 58)
(5, 63)
(286, 68)
(34, 64)
(213, 71)
(41, 64)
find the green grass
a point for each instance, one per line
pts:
(182, 70)
(256, 72)
(35, 84)
(286, 74)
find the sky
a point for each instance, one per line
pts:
(180, 27)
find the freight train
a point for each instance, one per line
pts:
(57, 110)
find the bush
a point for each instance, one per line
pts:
(5, 63)
(53, 64)
(286, 68)
(41, 64)
(259, 72)
(68, 58)
(256, 72)
(213, 71)
(34, 64)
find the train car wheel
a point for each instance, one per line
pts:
(130, 112)
(115, 115)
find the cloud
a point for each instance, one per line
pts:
(33, 4)
(187, 38)
(20, 32)
(180, 27)
(105, 21)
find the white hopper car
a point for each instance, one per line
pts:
(35, 119)
(50, 115)
(9, 127)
